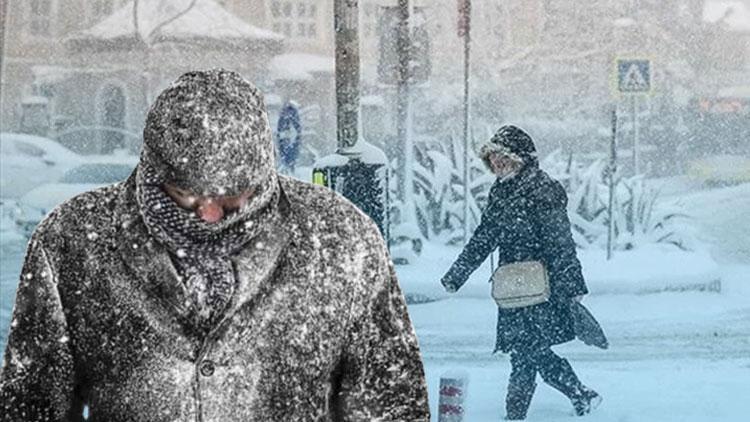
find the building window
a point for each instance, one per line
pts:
(100, 9)
(370, 16)
(294, 18)
(275, 9)
(40, 17)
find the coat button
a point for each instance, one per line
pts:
(207, 368)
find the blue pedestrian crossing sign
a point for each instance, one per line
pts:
(633, 76)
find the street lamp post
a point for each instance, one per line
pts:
(357, 170)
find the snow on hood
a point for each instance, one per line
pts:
(207, 19)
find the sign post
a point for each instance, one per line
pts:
(404, 62)
(634, 78)
(612, 172)
(464, 30)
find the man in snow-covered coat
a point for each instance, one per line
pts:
(207, 287)
(526, 220)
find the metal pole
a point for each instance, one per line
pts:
(611, 173)
(402, 99)
(636, 164)
(467, 68)
(346, 29)
(4, 10)
(3, 24)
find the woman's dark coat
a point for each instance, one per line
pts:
(526, 219)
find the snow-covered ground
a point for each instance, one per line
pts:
(674, 355)
(653, 268)
(723, 217)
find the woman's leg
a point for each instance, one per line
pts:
(521, 385)
(558, 373)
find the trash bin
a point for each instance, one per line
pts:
(361, 176)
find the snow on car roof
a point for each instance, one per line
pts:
(50, 146)
(300, 66)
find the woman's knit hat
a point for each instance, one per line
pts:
(511, 141)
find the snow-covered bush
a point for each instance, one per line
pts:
(638, 215)
(438, 191)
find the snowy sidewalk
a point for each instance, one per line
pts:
(673, 356)
(648, 391)
(652, 268)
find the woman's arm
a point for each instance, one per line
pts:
(483, 241)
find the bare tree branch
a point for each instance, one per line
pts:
(135, 21)
(170, 20)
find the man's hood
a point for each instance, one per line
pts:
(208, 133)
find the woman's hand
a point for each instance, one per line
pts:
(449, 285)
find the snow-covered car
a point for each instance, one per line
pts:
(35, 204)
(721, 170)
(29, 161)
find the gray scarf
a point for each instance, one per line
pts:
(200, 250)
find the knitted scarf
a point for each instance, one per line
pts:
(201, 250)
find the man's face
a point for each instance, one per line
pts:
(210, 209)
(502, 164)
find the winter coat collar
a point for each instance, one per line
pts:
(155, 273)
(519, 185)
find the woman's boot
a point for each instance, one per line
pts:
(518, 400)
(585, 401)
(558, 373)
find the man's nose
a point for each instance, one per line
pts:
(209, 210)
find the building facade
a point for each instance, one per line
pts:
(544, 60)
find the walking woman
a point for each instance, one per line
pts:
(526, 220)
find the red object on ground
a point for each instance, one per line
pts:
(452, 397)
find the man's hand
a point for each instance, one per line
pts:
(449, 285)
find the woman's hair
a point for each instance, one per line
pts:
(494, 148)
